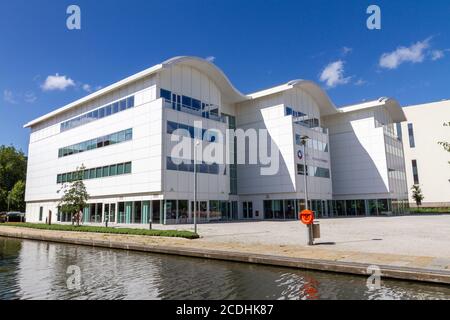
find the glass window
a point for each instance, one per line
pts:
(114, 138)
(166, 94)
(58, 179)
(128, 134)
(108, 110)
(98, 172)
(105, 171)
(412, 143)
(120, 168)
(130, 102)
(101, 113)
(100, 142)
(115, 108)
(113, 170)
(85, 174)
(127, 168)
(107, 141)
(137, 214)
(121, 136)
(123, 105)
(92, 174)
(196, 104)
(186, 101)
(415, 172)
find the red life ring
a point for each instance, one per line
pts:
(307, 217)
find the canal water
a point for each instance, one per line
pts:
(41, 270)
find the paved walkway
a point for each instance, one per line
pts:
(274, 243)
(405, 235)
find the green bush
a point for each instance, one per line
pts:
(429, 210)
(140, 232)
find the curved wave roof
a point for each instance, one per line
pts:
(230, 93)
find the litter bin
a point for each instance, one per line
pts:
(316, 230)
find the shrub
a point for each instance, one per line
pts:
(140, 232)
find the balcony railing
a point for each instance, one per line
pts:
(301, 122)
(208, 113)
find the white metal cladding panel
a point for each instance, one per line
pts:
(191, 82)
(144, 151)
(279, 129)
(358, 160)
(432, 159)
(146, 87)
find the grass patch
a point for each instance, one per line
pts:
(429, 210)
(140, 232)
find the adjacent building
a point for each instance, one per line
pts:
(125, 138)
(427, 162)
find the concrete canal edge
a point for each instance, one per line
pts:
(392, 272)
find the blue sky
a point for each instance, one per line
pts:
(258, 44)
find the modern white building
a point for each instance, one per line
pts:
(427, 162)
(123, 136)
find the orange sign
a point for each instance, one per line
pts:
(307, 217)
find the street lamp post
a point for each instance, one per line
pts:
(196, 144)
(304, 140)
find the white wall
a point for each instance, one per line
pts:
(432, 159)
(144, 151)
(358, 156)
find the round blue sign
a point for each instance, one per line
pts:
(300, 154)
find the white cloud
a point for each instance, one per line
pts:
(360, 82)
(8, 96)
(87, 87)
(57, 82)
(414, 54)
(333, 74)
(437, 54)
(30, 97)
(210, 58)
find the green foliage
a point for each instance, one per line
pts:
(129, 231)
(17, 197)
(446, 144)
(13, 166)
(430, 210)
(417, 194)
(75, 197)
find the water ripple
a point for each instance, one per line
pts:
(38, 270)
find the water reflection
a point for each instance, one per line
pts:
(38, 270)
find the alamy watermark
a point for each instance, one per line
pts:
(74, 279)
(374, 280)
(253, 147)
(374, 20)
(73, 21)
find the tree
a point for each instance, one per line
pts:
(446, 144)
(75, 196)
(13, 166)
(417, 194)
(16, 198)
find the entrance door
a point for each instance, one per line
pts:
(248, 210)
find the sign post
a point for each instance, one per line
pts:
(307, 218)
